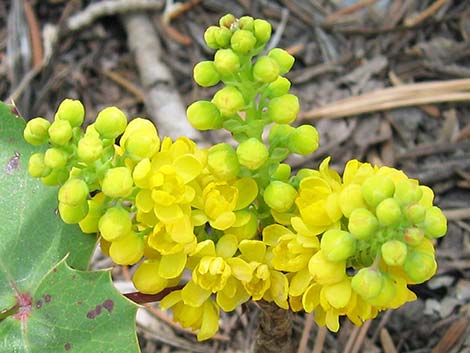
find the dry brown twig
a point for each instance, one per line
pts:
(394, 97)
(108, 8)
(429, 11)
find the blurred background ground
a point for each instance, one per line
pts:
(343, 48)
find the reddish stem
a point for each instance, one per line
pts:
(141, 298)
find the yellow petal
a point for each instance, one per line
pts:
(198, 218)
(227, 246)
(172, 266)
(171, 299)
(299, 282)
(144, 201)
(252, 250)
(273, 232)
(210, 321)
(187, 167)
(168, 214)
(279, 288)
(248, 190)
(338, 294)
(181, 231)
(332, 321)
(193, 295)
(240, 269)
(311, 298)
(223, 221)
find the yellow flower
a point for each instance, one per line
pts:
(212, 273)
(318, 200)
(290, 252)
(221, 200)
(203, 317)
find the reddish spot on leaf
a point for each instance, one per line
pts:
(24, 301)
(39, 304)
(98, 310)
(91, 314)
(79, 302)
(68, 346)
(47, 298)
(108, 305)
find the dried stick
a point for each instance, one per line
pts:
(305, 333)
(274, 330)
(107, 8)
(161, 96)
(394, 97)
(411, 22)
(332, 18)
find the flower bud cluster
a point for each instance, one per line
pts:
(236, 217)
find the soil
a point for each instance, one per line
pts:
(342, 49)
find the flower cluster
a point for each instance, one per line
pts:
(235, 217)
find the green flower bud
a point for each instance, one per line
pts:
(367, 283)
(337, 245)
(71, 110)
(388, 212)
(115, 223)
(226, 62)
(252, 153)
(56, 177)
(419, 266)
(204, 115)
(110, 122)
(55, 158)
(209, 37)
(246, 22)
(362, 223)
(60, 132)
(90, 148)
(282, 172)
(265, 70)
(37, 168)
(394, 252)
(435, 223)
(140, 139)
(283, 59)
(279, 196)
(242, 41)
(283, 109)
(279, 132)
(205, 74)
(413, 236)
(117, 182)
(229, 100)
(227, 20)
(415, 213)
(74, 192)
(89, 224)
(223, 162)
(407, 191)
(350, 198)
(377, 188)
(35, 132)
(262, 30)
(222, 37)
(278, 88)
(73, 214)
(303, 140)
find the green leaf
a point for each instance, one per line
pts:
(34, 240)
(72, 311)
